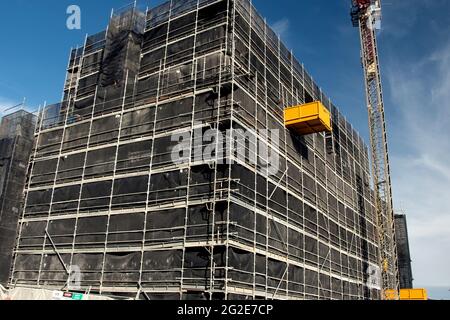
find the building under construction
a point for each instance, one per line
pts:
(16, 142)
(404, 256)
(105, 196)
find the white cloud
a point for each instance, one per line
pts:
(5, 104)
(420, 141)
(281, 27)
(399, 25)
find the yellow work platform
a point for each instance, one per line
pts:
(408, 294)
(308, 118)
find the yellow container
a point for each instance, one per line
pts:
(391, 295)
(407, 294)
(413, 294)
(308, 118)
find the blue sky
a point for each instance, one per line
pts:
(415, 60)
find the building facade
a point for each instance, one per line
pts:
(16, 142)
(404, 256)
(108, 196)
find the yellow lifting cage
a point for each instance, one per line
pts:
(308, 118)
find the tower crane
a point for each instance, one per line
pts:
(366, 15)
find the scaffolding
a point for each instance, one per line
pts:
(104, 193)
(16, 139)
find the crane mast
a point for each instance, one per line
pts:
(366, 15)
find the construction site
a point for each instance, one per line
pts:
(106, 206)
